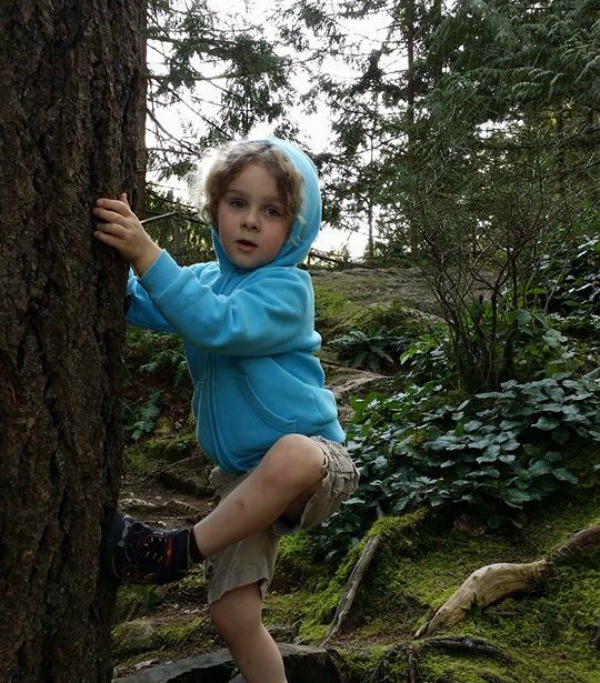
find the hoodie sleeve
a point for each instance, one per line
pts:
(142, 312)
(272, 313)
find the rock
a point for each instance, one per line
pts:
(134, 636)
(302, 665)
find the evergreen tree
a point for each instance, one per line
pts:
(70, 131)
(219, 71)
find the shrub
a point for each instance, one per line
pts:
(571, 284)
(492, 454)
(139, 417)
(379, 352)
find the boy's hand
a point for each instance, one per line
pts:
(120, 228)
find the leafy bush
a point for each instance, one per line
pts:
(156, 355)
(168, 361)
(139, 418)
(492, 454)
(426, 359)
(379, 352)
(571, 284)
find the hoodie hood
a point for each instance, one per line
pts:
(305, 227)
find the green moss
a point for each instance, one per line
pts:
(393, 315)
(528, 664)
(435, 667)
(159, 450)
(362, 665)
(331, 308)
(402, 528)
(146, 636)
(312, 605)
(295, 609)
(422, 560)
(174, 634)
(135, 600)
(318, 606)
(295, 561)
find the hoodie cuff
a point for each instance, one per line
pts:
(161, 275)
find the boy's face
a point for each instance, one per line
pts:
(251, 218)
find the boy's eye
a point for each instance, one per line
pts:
(236, 202)
(274, 212)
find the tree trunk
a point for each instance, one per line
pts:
(70, 75)
(414, 238)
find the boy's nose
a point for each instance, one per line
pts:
(251, 220)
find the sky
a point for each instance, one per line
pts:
(315, 129)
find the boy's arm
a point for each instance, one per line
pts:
(121, 229)
(141, 312)
(272, 313)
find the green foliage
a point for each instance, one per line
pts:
(376, 337)
(570, 283)
(180, 230)
(379, 352)
(427, 360)
(157, 356)
(140, 417)
(155, 366)
(212, 63)
(168, 361)
(492, 454)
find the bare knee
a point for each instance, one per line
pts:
(296, 460)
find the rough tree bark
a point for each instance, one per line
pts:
(70, 89)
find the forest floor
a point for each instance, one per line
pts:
(547, 637)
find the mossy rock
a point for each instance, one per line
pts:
(332, 308)
(159, 450)
(134, 601)
(147, 635)
(391, 316)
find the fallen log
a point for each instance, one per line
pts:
(493, 583)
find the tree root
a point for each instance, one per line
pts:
(489, 677)
(486, 586)
(465, 644)
(353, 583)
(458, 644)
(496, 582)
(390, 656)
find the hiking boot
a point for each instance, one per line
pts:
(136, 553)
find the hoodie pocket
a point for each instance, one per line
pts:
(235, 426)
(264, 413)
(251, 427)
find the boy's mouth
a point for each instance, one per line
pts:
(246, 245)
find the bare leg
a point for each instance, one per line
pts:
(284, 480)
(237, 617)
(280, 486)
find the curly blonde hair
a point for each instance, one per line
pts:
(233, 160)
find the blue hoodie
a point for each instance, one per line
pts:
(249, 339)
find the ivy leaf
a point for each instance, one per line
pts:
(539, 468)
(563, 474)
(561, 436)
(546, 423)
(516, 498)
(490, 454)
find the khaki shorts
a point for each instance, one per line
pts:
(252, 560)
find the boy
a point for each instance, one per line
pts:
(262, 412)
